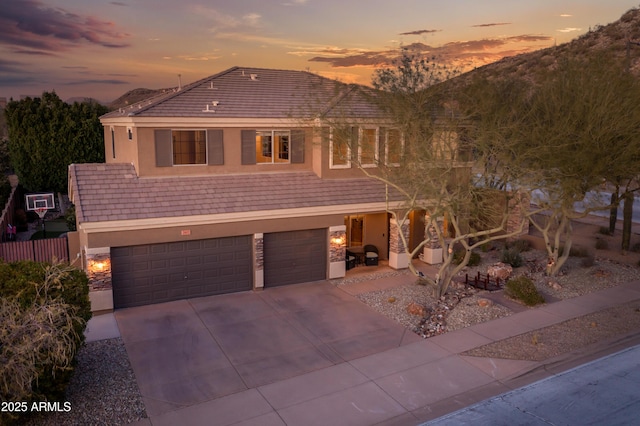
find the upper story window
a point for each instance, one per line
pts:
(393, 147)
(180, 147)
(368, 147)
(189, 146)
(272, 146)
(339, 149)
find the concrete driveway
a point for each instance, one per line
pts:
(191, 351)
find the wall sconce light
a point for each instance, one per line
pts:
(98, 265)
(338, 240)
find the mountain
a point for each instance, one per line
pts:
(619, 38)
(135, 96)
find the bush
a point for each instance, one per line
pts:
(576, 251)
(601, 244)
(70, 218)
(43, 309)
(512, 257)
(519, 245)
(604, 230)
(458, 257)
(523, 289)
(635, 248)
(588, 261)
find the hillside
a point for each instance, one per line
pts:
(136, 95)
(612, 38)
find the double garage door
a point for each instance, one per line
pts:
(156, 273)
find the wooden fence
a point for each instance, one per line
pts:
(48, 250)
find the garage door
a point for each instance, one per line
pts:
(155, 273)
(295, 257)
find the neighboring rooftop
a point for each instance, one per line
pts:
(110, 192)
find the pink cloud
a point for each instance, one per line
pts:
(30, 24)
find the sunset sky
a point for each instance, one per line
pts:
(103, 48)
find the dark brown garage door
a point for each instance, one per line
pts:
(155, 273)
(295, 257)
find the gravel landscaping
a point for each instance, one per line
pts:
(103, 390)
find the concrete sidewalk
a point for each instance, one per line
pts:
(409, 384)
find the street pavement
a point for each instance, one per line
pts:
(602, 392)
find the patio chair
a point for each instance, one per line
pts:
(370, 255)
(351, 260)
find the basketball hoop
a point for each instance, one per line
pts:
(41, 212)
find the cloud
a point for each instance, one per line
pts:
(32, 25)
(569, 30)
(118, 3)
(419, 32)
(222, 21)
(295, 3)
(461, 53)
(565, 15)
(496, 24)
(11, 66)
(96, 81)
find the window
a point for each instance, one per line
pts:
(272, 146)
(189, 146)
(130, 133)
(393, 147)
(340, 151)
(368, 147)
(113, 142)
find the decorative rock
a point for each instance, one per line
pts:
(484, 303)
(500, 270)
(554, 285)
(391, 299)
(415, 309)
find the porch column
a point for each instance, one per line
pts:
(398, 256)
(258, 261)
(98, 268)
(337, 251)
(432, 252)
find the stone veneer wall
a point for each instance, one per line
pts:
(430, 232)
(99, 279)
(396, 244)
(518, 206)
(258, 248)
(337, 251)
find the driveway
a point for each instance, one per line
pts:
(191, 351)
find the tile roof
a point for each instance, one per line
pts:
(112, 192)
(254, 93)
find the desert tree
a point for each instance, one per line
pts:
(424, 160)
(574, 133)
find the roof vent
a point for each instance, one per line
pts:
(254, 77)
(206, 109)
(215, 103)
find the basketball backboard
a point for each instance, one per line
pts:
(40, 201)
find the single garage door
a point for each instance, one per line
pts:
(295, 257)
(154, 273)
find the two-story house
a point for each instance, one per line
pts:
(231, 184)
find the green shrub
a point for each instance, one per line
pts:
(635, 248)
(458, 257)
(512, 257)
(576, 251)
(601, 244)
(588, 261)
(519, 245)
(44, 312)
(604, 230)
(70, 218)
(523, 289)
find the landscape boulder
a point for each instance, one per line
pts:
(500, 270)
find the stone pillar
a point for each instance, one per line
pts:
(519, 203)
(432, 251)
(337, 251)
(258, 261)
(398, 256)
(98, 268)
